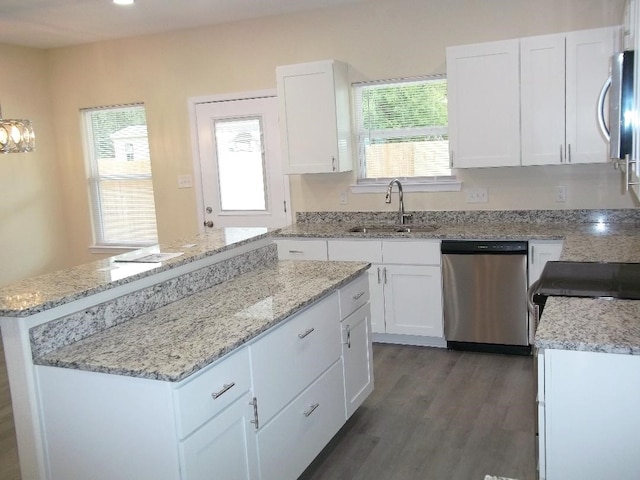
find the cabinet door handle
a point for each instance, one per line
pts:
(569, 152)
(348, 330)
(561, 159)
(254, 402)
(225, 388)
(311, 409)
(358, 295)
(378, 275)
(306, 332)
(385, 275)
(450, 158)
(333, 163)
(532, 255)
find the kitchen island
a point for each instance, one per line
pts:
(159, 327)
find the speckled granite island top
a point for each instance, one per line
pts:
(47, 291)
(176, 340)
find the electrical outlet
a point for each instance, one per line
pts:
(477, 195)
(344, 199)
(185, 181)
(561, 193)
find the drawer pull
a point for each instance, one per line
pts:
(296, 251)
(306, 332)
(225, 388)
(358, 295)
(311, 409)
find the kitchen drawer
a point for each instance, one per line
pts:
(295, 437)
(287, 360)
(354, 295)
(411, 252)
(355, 250)
(301, 249)
(195, 402)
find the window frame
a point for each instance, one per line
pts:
(94, 179)
(379, 184)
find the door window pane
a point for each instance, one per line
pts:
(240, 164)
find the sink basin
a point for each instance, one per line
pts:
(393, 229)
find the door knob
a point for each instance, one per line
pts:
(208, 224)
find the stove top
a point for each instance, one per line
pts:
(590, 279)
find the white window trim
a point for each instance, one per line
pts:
(92, 175)
(409, 184)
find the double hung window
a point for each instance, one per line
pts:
(119, 176)
(402, 130)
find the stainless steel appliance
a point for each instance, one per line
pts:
(485, 295)
(619, 85)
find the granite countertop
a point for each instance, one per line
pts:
(50, 290)
(174, 341)
(598, 325)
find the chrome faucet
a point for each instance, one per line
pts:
(387, 199)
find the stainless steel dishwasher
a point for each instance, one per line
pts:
(485, 295)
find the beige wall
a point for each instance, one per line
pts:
(32, 225)
(379, 38)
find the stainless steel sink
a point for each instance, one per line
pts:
(393, 229)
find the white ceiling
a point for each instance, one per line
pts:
(57, 23)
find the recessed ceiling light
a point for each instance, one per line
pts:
(123, 2)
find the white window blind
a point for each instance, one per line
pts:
(119, 175)
(402, 129)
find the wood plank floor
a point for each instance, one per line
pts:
(438, 414)
(434, 414)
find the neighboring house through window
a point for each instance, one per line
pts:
(402, 130)
(119, 175)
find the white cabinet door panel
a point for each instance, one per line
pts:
(413, 300)
(587, 64)
(225, 447)
(357, 356)
(541, 252)
(592, 420)
(484, 104)
(292, 439)
(542, 99)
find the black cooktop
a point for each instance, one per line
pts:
(590, 279)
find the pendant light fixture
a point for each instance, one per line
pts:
(16, 136)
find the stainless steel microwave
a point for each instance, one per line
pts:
(619, 86)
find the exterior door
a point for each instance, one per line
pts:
(241, 177)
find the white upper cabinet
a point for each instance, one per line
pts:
(542, 102)
(587, 61)
(484, 104)
(315, 123)
(562, 76)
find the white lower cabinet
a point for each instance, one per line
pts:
(404, 280)
(590, 420)
(541, 252)
(263, 411)
(289, 442)
(357, 357)
(225, 447)
(413, 300)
